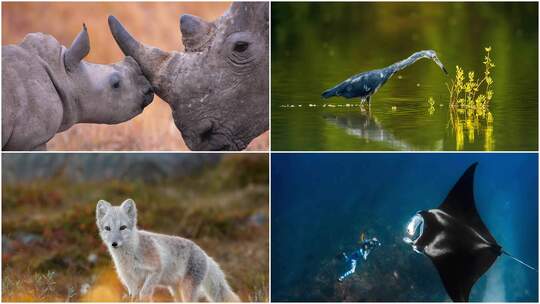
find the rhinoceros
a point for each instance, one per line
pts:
(47, 88)
(218, 87)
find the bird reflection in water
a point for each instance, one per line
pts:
(364, 125)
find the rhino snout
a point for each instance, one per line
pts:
(209, 136)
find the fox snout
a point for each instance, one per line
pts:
(116, 244)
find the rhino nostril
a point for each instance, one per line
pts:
(147, 99)
(206, 135)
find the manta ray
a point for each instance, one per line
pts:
(456, 240)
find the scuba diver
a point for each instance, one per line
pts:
(366, 246)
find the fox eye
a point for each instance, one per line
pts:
(123, 227)
(107, 228)
(241, 46)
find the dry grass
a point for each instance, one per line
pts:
(154, 23)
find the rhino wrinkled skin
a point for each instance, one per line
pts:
(218, 88)
(47, 88)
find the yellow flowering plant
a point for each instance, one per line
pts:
(466, 92)
(469, 105)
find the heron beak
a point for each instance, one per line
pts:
(439, 63)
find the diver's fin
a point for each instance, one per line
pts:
(460, 204)
(519, 261)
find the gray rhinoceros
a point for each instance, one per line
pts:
(218, 87)
(47, 88)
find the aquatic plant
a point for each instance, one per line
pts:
(469, 105)
(431, 103)
(472, 124)
(465, 93)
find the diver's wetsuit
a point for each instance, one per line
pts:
(362, 252)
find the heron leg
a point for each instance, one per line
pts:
(363, 101)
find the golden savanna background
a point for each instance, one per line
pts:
(154, 23)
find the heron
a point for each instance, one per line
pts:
(365, 84)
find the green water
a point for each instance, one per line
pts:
(317, 45)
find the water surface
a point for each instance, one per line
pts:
(317, 45)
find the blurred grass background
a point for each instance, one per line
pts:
(51, 250)
(154, 23)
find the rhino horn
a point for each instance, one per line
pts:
(150, 59)
(195, 31)
(80, 47)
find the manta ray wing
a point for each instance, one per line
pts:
(459, 271)
(457, 241)
(460, 204)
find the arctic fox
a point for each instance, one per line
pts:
(144, 260)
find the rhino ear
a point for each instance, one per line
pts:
(195, 31)
(240, 8)
(80, 47)
(249, 14)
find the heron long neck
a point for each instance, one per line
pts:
(400, 65)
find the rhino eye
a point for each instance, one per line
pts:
(241, 46)
(115, 80)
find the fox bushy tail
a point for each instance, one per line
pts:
(215, 285)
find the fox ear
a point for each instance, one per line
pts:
(102, 208)
(129, 208)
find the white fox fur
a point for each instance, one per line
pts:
(145, 260)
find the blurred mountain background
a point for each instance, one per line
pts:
(154, 23)
(81, 167)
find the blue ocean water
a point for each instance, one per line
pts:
(321, 203)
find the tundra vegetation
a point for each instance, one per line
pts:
(52, 250)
